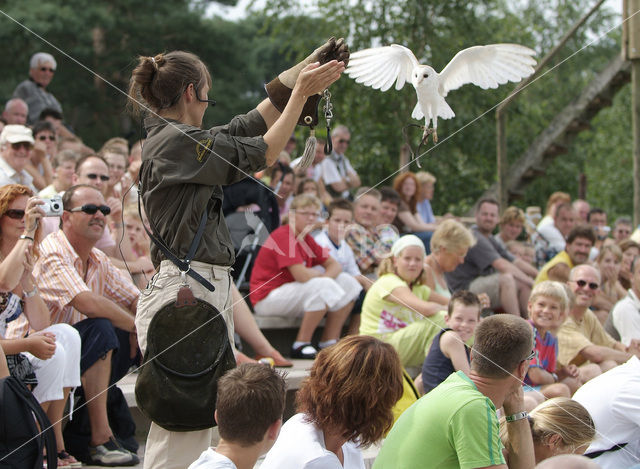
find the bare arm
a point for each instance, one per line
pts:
(332, 267)
(528, 269)
(302, 274)
(97, 306)
(540, 376)
(312, 80)
(404, 296)
(453, 348)
(559, 273)
(413, 223)
(4, 369)
(339, 186)
(506, 267)
(354, 180)
(598, 354)
(520, 443)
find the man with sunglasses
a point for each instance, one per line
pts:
(582, 340)
(82, 287)
(34, 90)
(16, 143)
(455, 425)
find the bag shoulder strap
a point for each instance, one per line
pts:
(47, 434)
(183, 265)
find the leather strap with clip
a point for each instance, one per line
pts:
(184, 264)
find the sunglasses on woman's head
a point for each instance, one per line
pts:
(91, 209)
(15, 213)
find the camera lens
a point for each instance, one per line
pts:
(55, 206)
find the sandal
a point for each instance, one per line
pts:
(66, 460)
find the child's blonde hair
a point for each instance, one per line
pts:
(550, 289)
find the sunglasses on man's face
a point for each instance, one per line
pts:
(17, 146)
(91, 209)
(96, 176)
(47, 69)
(583, 283)
(15, 213)
(343, 140)
(46, 137)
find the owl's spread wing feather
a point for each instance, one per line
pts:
(379, 67)
(487, 66)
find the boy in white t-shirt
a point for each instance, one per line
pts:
(249, 412)
(332, 238)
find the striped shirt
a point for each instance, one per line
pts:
(60, 277)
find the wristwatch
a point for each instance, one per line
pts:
(517, 416)
(29, 294)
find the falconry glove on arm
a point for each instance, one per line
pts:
(279, 89)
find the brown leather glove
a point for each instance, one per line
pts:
(279, 89)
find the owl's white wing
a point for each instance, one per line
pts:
(487, 66)
(379, 67)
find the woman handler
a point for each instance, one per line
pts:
(183, 169)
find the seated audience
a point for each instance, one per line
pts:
(597, 218)
(449, 246)
(558, 426)
(582, 341)
(282, 180)
(427, 182)
(622, 229)
(456, 424)
(613, 401)
(40, 166)
(345, 403)
(33, 91)
(581, 209)
(389, 205)
(510, 226)
(630, 250)
(545, 379)
(338, 175)
(555, 199)
(449, 352)
(15, 112)
(332, 239)
(249, 410)
(408, 220)
(399, 308)
(625, 315)
(365, 236)
(81, 287)
(51, 351)
(576, 252)
(488, 268)
(16, 144)
(608, 263)
(556, 233)
(284, 283)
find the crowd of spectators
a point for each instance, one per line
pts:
(456, 307)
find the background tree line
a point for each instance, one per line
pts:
(243, 55)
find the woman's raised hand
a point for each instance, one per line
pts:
(315, 78)
(32, 214)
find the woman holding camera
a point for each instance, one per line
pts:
(47, 358)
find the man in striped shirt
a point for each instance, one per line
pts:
(82, 287)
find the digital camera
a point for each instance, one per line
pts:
(52, 206)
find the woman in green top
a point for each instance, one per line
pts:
(399, 307)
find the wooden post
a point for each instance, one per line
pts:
(633, 51)
(503, 163)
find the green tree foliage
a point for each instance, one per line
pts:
(464, 159)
